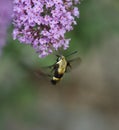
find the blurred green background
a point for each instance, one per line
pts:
(86, 99)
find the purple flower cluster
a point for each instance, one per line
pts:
(43, 23)
(5, 19)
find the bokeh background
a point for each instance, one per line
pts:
(86, 99)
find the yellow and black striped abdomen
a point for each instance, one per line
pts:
(57, 77)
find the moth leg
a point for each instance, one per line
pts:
(69, 67)
(52, 69)
(56, 66)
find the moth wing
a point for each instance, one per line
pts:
(46, 71)
(73, 63)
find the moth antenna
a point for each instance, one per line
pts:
(58, 55)
(72, 53)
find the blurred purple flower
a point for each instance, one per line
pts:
(43, 23)
(5, 19)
